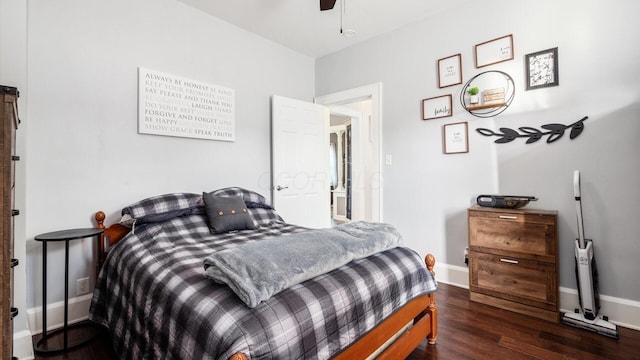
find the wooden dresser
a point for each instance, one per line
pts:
(513, 260)
(9, 121)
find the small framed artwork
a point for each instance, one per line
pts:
(455, 138)
(437, 107)
(494, 51)
(542, 69)
(450, 71)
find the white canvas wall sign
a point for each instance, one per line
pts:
(437, 107)
(176, 106)
(455, 138)
(494, 51)
(450, 71)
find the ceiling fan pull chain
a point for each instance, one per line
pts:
(341, 14)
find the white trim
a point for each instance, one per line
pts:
(23, 345)
(373, 92)
(78, 311)
(622, 312)
(452, 275)
(617, 309)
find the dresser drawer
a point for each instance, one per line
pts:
(522, 281)
(528, 236)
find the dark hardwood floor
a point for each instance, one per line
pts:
(468, 330)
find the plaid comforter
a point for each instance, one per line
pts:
(154, 299)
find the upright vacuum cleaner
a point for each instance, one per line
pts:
(587, 276)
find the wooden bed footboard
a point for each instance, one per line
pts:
(421, 313)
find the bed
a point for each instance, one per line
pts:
(156, 302)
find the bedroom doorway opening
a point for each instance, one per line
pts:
(341, 167)
(356, 117)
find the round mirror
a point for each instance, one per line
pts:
(488, 93)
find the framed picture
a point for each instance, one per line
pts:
(450, 71)
(437, 107)
(494, 51)
(542, 69)
(455, 138)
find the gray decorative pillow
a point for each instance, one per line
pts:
(226, 213)
(251, 198)
(161, 204)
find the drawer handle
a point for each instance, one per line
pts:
(508, 217)
(509, 261)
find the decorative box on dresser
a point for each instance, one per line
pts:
(513, 260)
(9, 121)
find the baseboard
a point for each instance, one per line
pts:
(622, 312)
(452, 275)
(23, 340)
(23, 345)
(78, 311)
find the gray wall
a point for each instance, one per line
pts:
(76, 64)
(80, 104)
(426, 193)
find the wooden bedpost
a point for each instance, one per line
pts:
(430, 260)
(111, 235)
(100, 216)
(432, 310)
(238, 356)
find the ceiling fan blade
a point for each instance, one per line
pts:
(327, 4)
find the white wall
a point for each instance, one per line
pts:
(426, 193)
(84, 153)
(77, 75)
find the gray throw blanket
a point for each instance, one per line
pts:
(258, 270)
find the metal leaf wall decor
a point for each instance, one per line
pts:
(554, 131)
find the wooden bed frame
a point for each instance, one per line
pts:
(392, 334)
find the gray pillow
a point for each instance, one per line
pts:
(226, 213)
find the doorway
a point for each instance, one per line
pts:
(361, 106)
(341, 169)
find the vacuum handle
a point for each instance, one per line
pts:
(576, 184)
(576, 193)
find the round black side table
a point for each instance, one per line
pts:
(66, 236)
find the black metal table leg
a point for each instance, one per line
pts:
(66, 236)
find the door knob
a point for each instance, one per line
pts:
(281, 187)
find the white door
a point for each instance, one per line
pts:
(300, 162)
